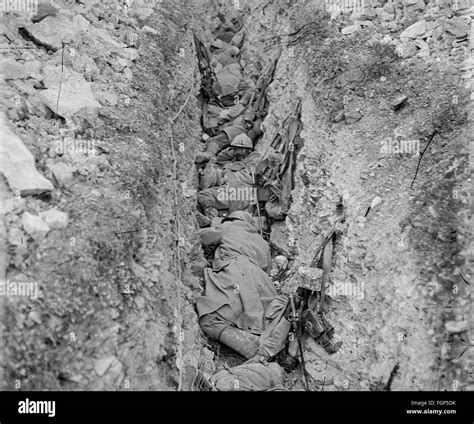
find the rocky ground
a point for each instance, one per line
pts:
(100, 113)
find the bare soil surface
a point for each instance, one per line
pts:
(118, 284)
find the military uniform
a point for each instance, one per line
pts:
(239, 293)
(224, 139)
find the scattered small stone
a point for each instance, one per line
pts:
(150, 30)
(338, 117)
(387, 16)
(368, 13)
(108, 98)
(16, 237)
(102, 365)
(35, 316)
(352, 116)
(62, 172)
(414, 31)
(398, 102)
(350, 29)
(44, 10)
(10, 69)
(456, 26)
(55, 218)
(375, 202)
(34, 226)
(77, 378)
(406, 50)
(454, 327)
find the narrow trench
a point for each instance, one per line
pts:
(267, 194)
(139, 268)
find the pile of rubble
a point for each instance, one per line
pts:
(427, 29)
(59, 68)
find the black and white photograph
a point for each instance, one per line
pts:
(269, 196)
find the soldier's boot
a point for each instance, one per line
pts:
(203, 157)
(203, 220)
(241, 341)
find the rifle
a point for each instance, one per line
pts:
(286, 174)
(315, 322)
(259, 106)
(204, 63)
(294, 318)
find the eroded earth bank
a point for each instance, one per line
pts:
(102, 113)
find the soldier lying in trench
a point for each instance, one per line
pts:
(228, 184)
(238, 157)
(241, 308)
(231, 88)
(215, 144)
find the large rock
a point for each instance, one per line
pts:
(10, 69)
(75, 94)
(18, 164)
(53, 31)
(44, 10)
(34, 226)
(414, 31)
(456, 26)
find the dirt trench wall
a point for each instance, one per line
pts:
(111, 287)
(398, 298)
(108, 314)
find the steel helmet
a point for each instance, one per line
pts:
(242, 216)
(242, 140)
